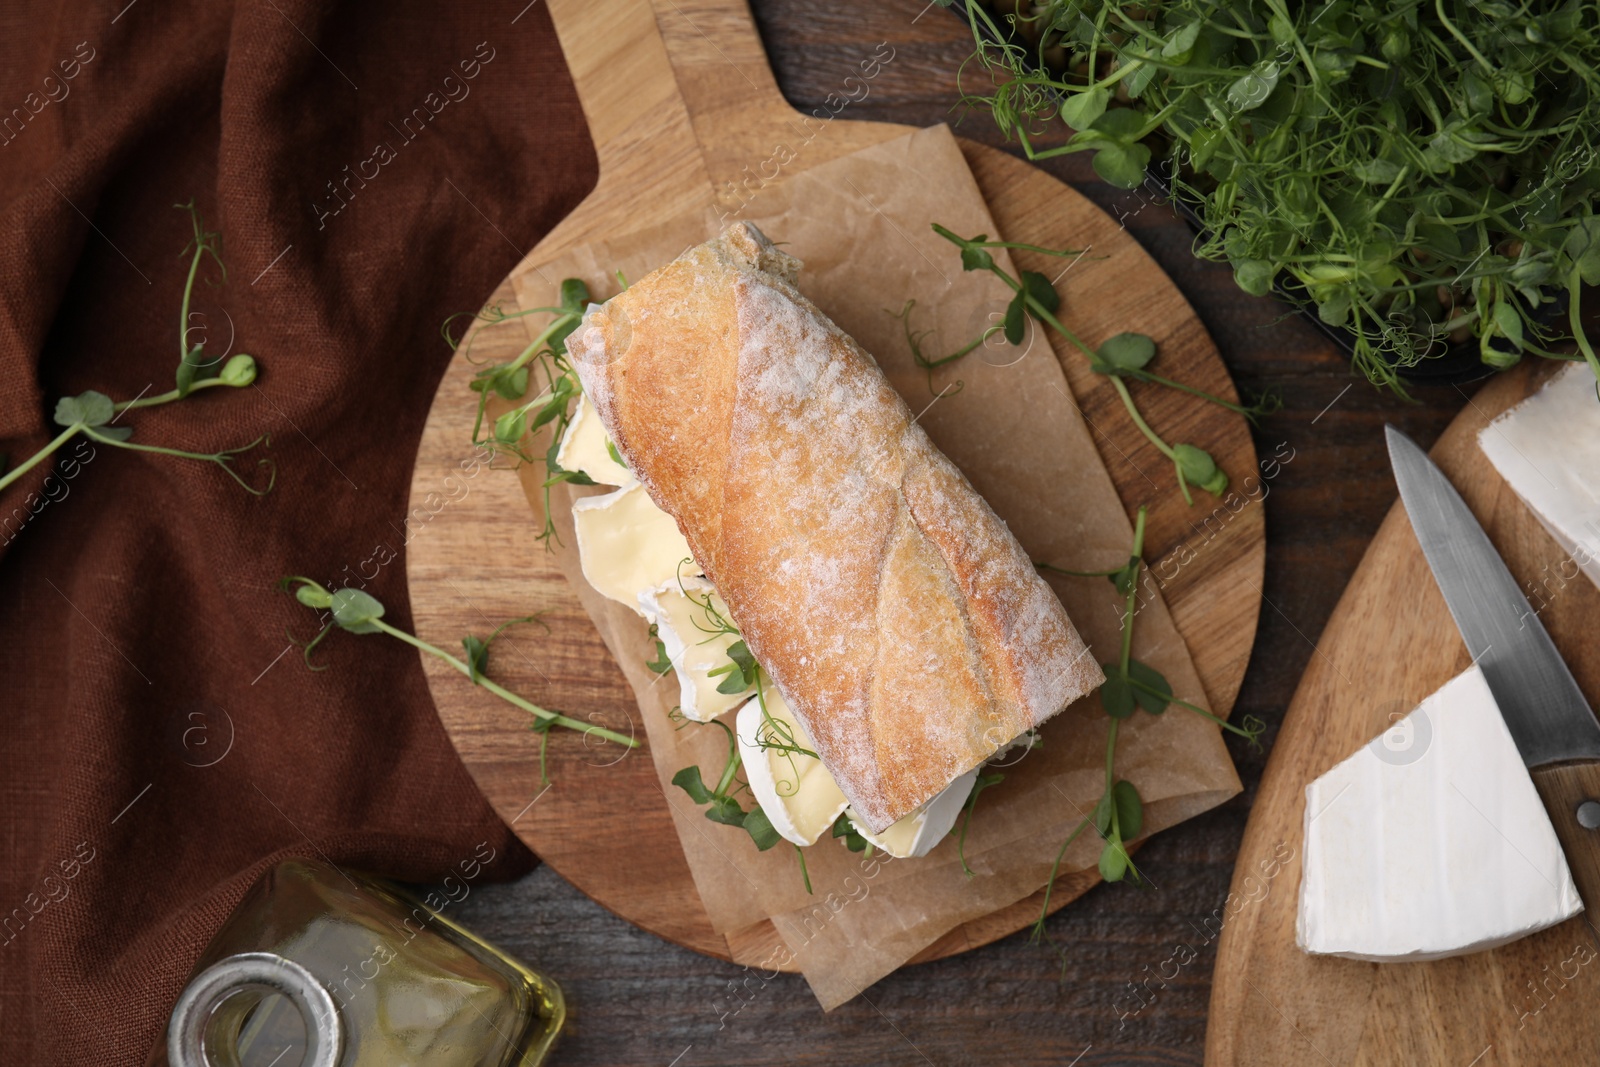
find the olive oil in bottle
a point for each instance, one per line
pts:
(328, 968)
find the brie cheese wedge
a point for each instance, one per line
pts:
(919, 832)
(686, 622)
(585, 447)
(1547, 448)
(628, 546)
(1431, 841)
(798, 795)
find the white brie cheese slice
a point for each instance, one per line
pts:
(695, 644)
(799, 796)
(584, 447)
(1431, 841)
(628, 546)
(1548, 449)
(919, 832)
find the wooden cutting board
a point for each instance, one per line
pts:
(684, 112)
(1389, 643)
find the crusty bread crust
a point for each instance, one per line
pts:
(894, 610)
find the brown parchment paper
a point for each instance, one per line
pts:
(861, 224)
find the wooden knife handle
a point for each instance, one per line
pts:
(1571, 794)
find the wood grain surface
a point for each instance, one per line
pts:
(1208, 559)
(1390, 643)
(640, 1000)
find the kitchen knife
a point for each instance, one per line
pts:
(1546, 712)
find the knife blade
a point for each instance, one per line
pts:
(1548, 716)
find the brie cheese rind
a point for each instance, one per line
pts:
(694, 644)
(585, 447)
(1547, 448)
(919, 832)
(1431, 841)
(627, 545)
(798, 795)
(904, 624)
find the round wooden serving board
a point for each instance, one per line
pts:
(680, 103)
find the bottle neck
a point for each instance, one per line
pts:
(193, 1034)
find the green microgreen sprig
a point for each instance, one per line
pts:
(359, 612)
(1118, 815)
(1122, 357)
(94, 415)
(545, 357)
(723, 804)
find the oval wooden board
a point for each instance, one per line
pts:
(655, 85)
(1389, 643)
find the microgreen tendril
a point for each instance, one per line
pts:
(359, 612)
(94, 415)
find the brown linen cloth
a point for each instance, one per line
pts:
(158, 751)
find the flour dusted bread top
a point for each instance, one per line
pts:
(894, 610)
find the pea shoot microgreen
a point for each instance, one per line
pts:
(1421, 173)
(94, 415)
(722, 805)
(359, 612)
(1130, 685)
(1120, 358)
(545, 357)
(662, 663)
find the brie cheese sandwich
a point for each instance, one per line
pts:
(773, 490)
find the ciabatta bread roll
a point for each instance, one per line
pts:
(901, 621)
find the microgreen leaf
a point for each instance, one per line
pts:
(661, 664)
(1181, 44)
(1116, 695)
(975, 258)
(1196, 467)
(1252, 90)
(690, 782)
(1150, 688)
(1130, 810)
(511, 384)
(1104, 809)
(89, 408)
(1582, 246)
(356, 611)
(742, 671)
(1376, 171)
(1015, 320)
(760, 829)
(239, 371)
(1113, 860)
(1122, 165)
(725, 810)
(1119, 123)
(844, 828)
(1127, 351)
(1254, 276)
(477, 656)
(1080, 110)
(509, 428)
(1040, 291)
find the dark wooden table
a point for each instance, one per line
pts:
(638, 1000)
